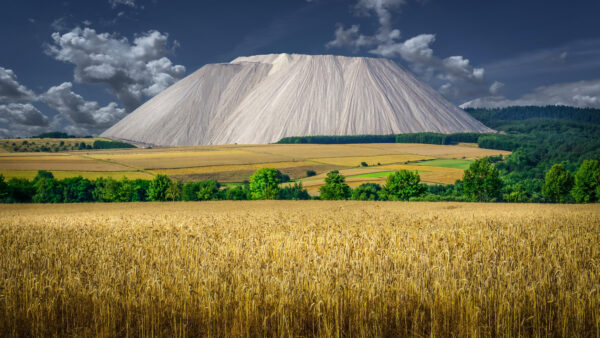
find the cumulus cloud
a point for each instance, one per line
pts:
(132, 70)
(22, 114)
(84, 115)
(577, 94)
(455, 75)
(11, 89)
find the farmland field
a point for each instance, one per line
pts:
(300, 269)
(236, 163)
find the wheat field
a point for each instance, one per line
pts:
(300, 269)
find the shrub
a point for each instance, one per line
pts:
(402, 185)
(310, 173)
(264, 184)
(481, 182)
(366, 192)
(293, 192)
(335, 187)
(557, 184)
(587, 182)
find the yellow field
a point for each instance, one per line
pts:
(236, 163)
(91, 175)
(300, 269)
(222, 168)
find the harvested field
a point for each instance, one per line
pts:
(91, 175)
(64, 163)
(174, 159)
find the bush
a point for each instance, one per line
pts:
(208, 190)
(157, 191)
(335, 187)
(310, 173)
(557, 184)
(402, 185)
(481, 182)
(293, 192)
(264, 184)
(366, 192)
(587, 182)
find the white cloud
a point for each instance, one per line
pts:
(22, 114)
(133, 71)
(87, 117)
(115, 3)
(496, 87)
(577, 94)
(11, 89)
(455, 75)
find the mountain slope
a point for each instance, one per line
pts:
(260, 99)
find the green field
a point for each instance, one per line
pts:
(447, 163)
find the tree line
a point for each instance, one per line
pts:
(427, 138)
(481, 182)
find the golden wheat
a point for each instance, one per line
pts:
(299, 269)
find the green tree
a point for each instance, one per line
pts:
(264, 184)
(47, 190)
(557, 184)
(20, 190)
(335, 187)
(402, 185)
(157, 190)
(208, 190)
(366, 192)
(481, 182)
(174, 190)
(237, 193)
(106, 190)
(190, 191)
(77, 190)
(587, 182)
(293, 192)
(3, 188)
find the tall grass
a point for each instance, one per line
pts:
(299, 269)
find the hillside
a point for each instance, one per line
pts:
(261, 99)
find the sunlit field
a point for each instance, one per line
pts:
(300, 269)
(437, 164)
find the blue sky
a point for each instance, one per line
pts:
(80, 66)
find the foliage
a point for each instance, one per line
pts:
(208, 190)
(77, 190)
(481, 182)
(335, 187)
(427, 138)
(402, 185)
(264, 184)
(237, 193)
(3, 188)
(104, 144)
(173, 192)
(20, 190)
(587, 182)
(366, 192)
(293, 192)
(158, 188)
(557, 184)
(310, 173)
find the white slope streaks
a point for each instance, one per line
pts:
(260, 99)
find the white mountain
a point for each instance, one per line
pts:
(260, 99)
